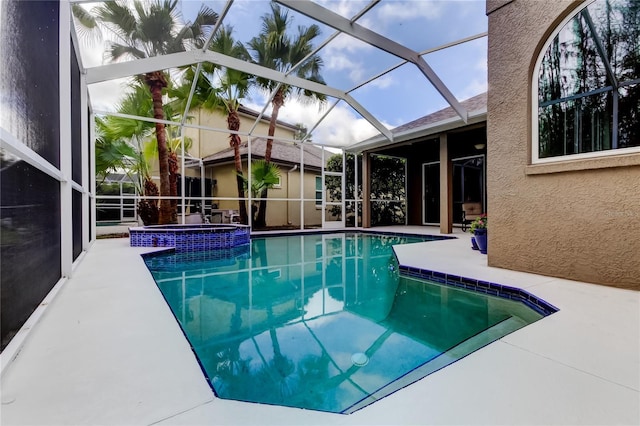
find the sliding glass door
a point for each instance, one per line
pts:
(468, 183)
(431, 193)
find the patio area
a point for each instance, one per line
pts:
(107, 350)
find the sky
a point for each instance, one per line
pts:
(398, 97)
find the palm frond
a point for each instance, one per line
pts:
(205, 18)
(86, 25)
(263, 176)
(121, 19)
(275, 49)
(116, 51)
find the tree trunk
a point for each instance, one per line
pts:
(172, 158)
(233, 123)
(156, 82)
(278, 101)
(148, 209)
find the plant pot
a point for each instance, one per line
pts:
(481, 240)
(474, 245)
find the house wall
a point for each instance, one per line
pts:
(207, 142)
(279, 213)
(577, 219)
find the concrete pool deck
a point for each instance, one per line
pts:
(108, 350)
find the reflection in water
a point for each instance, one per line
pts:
(280, 326)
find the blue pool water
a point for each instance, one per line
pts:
(324, 321)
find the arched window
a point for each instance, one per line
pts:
(587, 84)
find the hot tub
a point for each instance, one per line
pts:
(190, 237)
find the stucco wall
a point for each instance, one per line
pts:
(279, 213)
(578, 220)
(208, 142)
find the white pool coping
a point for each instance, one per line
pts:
(108, 351)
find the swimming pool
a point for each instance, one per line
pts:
(324, 321)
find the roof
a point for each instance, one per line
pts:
(119, 177)
(475, 103)
(431, 124)
(281, 152)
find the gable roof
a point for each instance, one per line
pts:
(431, 124)
(475, 103)
(281, 152)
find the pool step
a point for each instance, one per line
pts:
(452, 355)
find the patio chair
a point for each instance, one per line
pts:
(231, 216)
(193, 219)
(470, 212)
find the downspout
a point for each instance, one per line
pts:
(293, 169)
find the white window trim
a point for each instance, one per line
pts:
(535, 159)
(279, 184)
(321, 191)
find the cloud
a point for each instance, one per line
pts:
(346, 43)
(383, 82)
(340, 62)
(106, 96)
(345, 8)
(482, 64)
(341, 127)
(339, 57)
(474, 87)
(478, 84)
(392, 11)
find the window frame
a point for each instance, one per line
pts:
(535, 116)
(320, 191)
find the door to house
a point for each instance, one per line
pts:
(468, 183)
(431, 193)
(333, 202)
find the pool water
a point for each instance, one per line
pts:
(323, 322)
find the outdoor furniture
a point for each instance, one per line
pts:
(470, 212)
(193, 218)
(224, 216)
(232, 216)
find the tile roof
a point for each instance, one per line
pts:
(475, 103)
(443, 120)
(281, 152)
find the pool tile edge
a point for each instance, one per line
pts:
(482, 286)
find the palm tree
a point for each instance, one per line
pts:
(112, 153)
(275, 49)
(145, 29)
(264, 176)
(125, 144)
(221, 89)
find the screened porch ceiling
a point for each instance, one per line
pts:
(385, 63)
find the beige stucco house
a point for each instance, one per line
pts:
(217, 157)
(283, 207)
(574, 213)
(208, 142)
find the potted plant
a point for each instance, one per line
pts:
(479, 230)
(474, 245)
